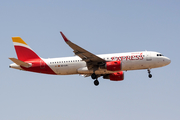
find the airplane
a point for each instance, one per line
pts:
(85, 63)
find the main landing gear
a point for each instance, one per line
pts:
(149, 72)
(94, 76)
(96, 82)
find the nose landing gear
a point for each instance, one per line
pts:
(149, 72)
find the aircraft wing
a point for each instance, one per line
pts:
(91, 59)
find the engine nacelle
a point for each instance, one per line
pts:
(118, 76)
(113, 65)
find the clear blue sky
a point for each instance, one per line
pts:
(101, 27)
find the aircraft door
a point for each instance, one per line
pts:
(42, 64)
(148, 56)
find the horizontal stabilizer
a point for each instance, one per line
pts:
(21, 63)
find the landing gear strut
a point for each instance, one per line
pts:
(94, 76)
(149, 72)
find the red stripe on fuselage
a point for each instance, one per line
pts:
(39, 66)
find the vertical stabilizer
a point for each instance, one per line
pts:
(23, 51)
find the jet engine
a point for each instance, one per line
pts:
(113, 65)
(118, 76)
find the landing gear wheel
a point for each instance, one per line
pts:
(93, 76)
(150, 75)
(149, 72)
(96, 82)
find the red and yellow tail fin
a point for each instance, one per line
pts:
(23, 51)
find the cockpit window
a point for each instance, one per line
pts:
(160, 55)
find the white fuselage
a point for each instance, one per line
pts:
(130, 61)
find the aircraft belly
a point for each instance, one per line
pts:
(84, 70)
(65, 71)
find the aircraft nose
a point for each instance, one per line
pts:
(167, 61)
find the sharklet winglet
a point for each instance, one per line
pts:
(64, 37)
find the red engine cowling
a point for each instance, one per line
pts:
(113, 65)
(118, 76)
